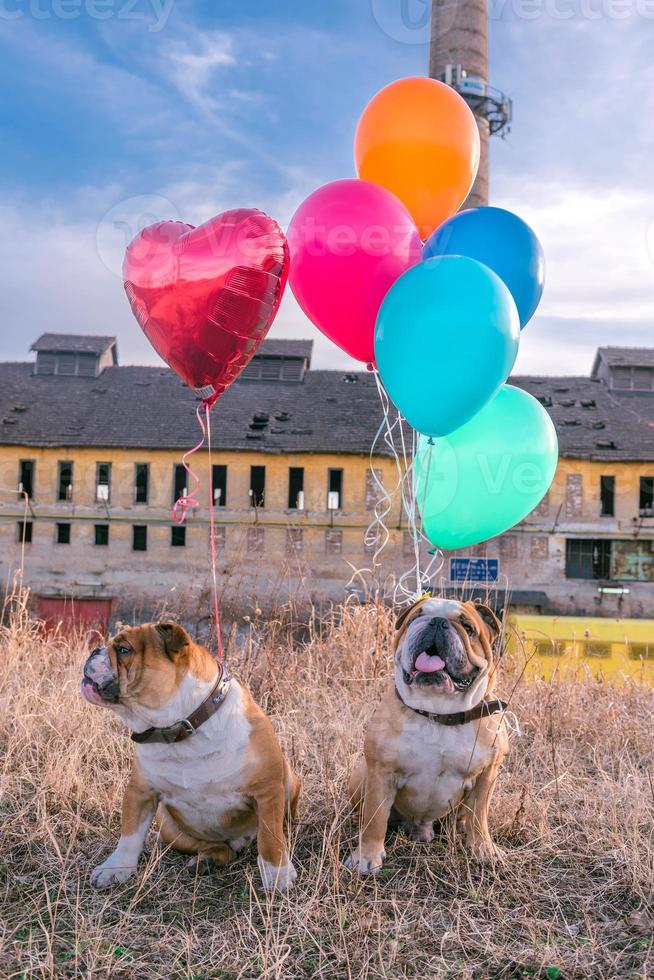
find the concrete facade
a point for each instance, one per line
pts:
(532, 555)
(268, 554)
(274, 553)
(70, 448)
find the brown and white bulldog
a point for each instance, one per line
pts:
(207, 760)
(436, 740)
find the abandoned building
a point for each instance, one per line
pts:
(90, 465)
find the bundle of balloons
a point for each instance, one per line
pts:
(434, 300)
(385, 267)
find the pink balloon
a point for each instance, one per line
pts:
(349, 241)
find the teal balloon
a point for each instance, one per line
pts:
(489, 474)
(446, 339)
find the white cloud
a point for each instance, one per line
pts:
(566, 346)
(54, 280)
(600, 272)
(62, 268)
(62, 273)
(191, 65)
(596, 245)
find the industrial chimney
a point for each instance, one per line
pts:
(459, 57)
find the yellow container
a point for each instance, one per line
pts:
(582, 648)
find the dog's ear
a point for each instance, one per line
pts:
(402, 618)
(489, 618)
(174, 638)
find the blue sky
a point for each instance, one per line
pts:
(117, 112)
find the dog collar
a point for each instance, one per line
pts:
(188, 726)
(483, 710)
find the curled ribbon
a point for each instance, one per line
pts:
(190, 499)
(187, 500)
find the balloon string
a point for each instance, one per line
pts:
(423, 578)
(214, 549)
(188, 500)
(377, 533)
(409, 504)
(402, 592)
(413, 582)
(405, 591)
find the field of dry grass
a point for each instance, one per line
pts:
(573, 814)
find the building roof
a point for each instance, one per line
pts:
(73, 343)
(591, 422)
(149, 407)
(330, 411)
(286, 348)
(623, 357)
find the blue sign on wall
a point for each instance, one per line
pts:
(474, 569)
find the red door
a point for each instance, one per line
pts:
(71, 614)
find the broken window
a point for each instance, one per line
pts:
(26, 477)
(296, 488)
(139, 537)
(258, 486)
(219, 484)
(335, 490)
(62, 534)
(141, 483)
(101, 535)
(607, 496)
(646, 495)
(65, 481)
(103, 482)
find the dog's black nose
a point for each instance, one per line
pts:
(440, 624)
(111, 690)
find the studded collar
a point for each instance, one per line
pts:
(188, 726)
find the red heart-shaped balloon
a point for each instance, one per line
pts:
(206, 297)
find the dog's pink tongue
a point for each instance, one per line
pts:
(427, 664)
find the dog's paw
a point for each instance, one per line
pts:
(365, 865)
(276, 878)
(486, 852)
(422, 833)
(105, 875)
(201, 865)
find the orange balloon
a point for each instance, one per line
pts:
(419, 139)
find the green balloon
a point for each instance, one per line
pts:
(483, 478)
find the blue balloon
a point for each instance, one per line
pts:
(446, 339)
(503, 242)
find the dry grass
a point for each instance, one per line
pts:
(573, 814)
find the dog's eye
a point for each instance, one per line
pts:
(122, 650)
(469, 628)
